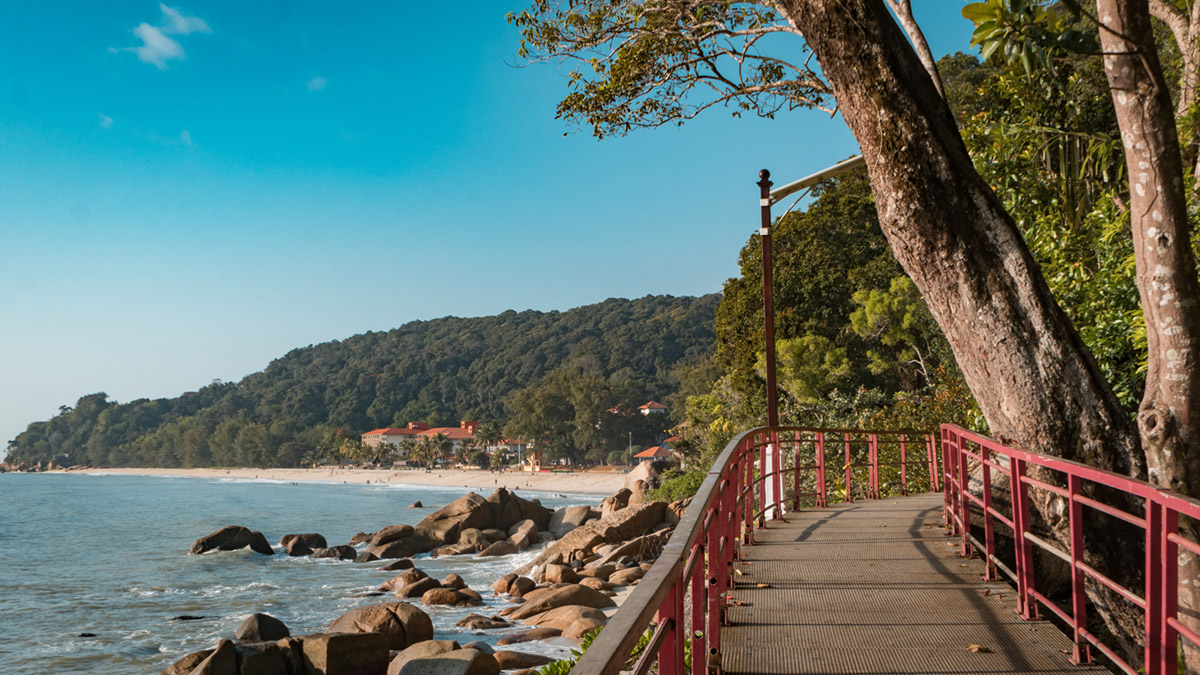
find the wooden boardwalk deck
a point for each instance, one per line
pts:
(874, 587)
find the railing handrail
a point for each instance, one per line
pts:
(663, 583)
(1160, 522)
(610, 650)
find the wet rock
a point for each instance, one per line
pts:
(187, 664)
(522, 540)
(480, 622)
(573, 594)
(454, 581)
(416, 505)
(445, 524)
(500, 587)
(511, 660)
(187, 617)
(520, 586)
(342, 552)
(311, 540)
(85, 635)
(480, 645)
(526, 526)
(361, 537)
(369, 594)
(494, 535)
(441, 596)
(473, 539)
(401, 564)
(232, 538)
(401, 624)
(365, 557)
(354, 653)
(499, 548)
(417, 588)
(391, 533)
(261, 627)
(261, 658)
(528, 635)
(222, 661)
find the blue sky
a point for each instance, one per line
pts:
(190, 190)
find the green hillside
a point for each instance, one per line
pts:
(438, 371)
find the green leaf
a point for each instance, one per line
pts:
(977, 12)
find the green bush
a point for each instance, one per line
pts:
(675, 484)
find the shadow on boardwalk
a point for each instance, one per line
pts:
(877, 587)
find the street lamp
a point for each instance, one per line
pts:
(767, 198)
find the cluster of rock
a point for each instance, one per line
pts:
(565, 590)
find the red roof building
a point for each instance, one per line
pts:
(652, 407)
(657, 452)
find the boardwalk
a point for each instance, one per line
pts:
(874, 587)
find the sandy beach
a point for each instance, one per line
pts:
(574, 482)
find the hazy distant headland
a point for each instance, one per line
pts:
(441, 371)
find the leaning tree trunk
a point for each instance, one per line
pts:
(1169, 416)
(1025, 364)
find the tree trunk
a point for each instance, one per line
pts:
(1025, 364)
(1166, 271)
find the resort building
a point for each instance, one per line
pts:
(651, 408)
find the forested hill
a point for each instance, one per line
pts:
(438, 371)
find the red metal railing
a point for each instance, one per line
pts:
(972, 460)
(696, 564)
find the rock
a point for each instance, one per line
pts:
(502, 584)
(579, 539)
(522, 540)
(568, 518)
(421, 649)
(187, 664)
(296, 547)
(416, 505)
(637, 519)
(502, 547)
(261, 658)
(454, 581)
(417, 588)
(405, 547)
(401, 564)
(401, 623)
(293, 653)
(231, 538)
(520, 586)
(582, 627)
(261, 627)
(480, 645)
(445, 524)
(441, 596)
(558, 574)
(546, 535)
(456, 549)
(403, 579)
(356, 653)
(527, 526)
(311, 539)
(221, 661)
(524, 671)
(361, 537)
(474, 597)
(573, 594)
(512, 660)
(391, 533)
(562, 617)
(626, 577)
(187, 617)
(473, 538)
(493, 535)
(480, 622)
(598, 584)
(528, 635)
(369, 594)
(644, 472)
(365, 557)
(641, 490)
(460, 662)
(647, 547)
(342, 552)
(602, 571)
(509, 509)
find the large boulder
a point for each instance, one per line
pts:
(261, 627)
(500, 587)
(522, 540)
(445, 524)
(401, 623)
(421, 649)
(559, 574)
(261, 658)
(311, 539)
(342, 552)
(514, 660)
(509, 509)
(520, 586)
(582, 627)
(636, 519)
(473, 539)
(568, 518)
(480, 622)
(441, 596)
(391, 533)
(644, 472)
(563, 617)
(541, 600)
(188, 663)
(460, 662)
(626, 577)
(527, 526)
(404, 547)
(528, 635)
(221, 661)
(356, 653)
(642, 549)
(231, 538)
(401, 564)
(417, 588)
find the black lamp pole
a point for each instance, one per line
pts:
(764, 185)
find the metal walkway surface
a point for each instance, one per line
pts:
(877, 587)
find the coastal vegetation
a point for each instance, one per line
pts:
(316, 399)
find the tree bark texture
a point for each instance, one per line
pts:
(1169, 416)
(1027, 367)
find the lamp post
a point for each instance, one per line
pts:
(773, 489)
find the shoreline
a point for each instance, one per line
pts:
(579, 482)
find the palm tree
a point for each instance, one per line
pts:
(407, 448)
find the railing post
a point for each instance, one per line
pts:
(1022, 547)
(964, 502)
(849, 489)
(989, 531)
(763, 470)
(822, 497)
(715, 569)
(1154, 590)
(668, 664)
(1168, 605)
(873, 462)
(933, 449)
(747, 493)
(904, 468)
(1081, 652)
(796, 474)
(696, 630)
(777, 479)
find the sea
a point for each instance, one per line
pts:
(107, 555)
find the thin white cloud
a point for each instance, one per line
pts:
(157, 47)
(175, 22)
(317, 83)
(185, 138)
(105, 121)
